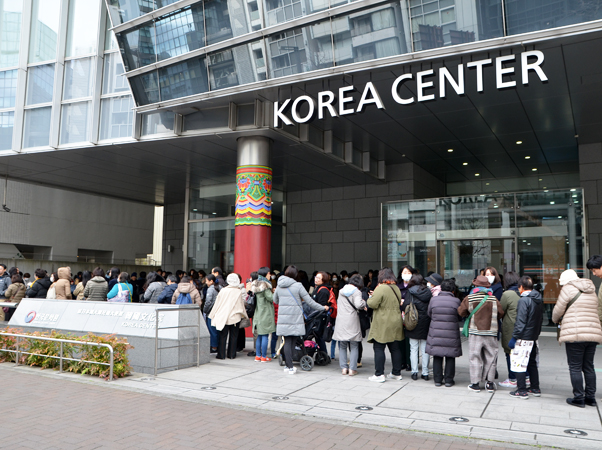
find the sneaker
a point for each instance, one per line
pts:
(292, 371)
(257, 359)
(425, 377)
(286, 369)
(450, 384)
(528, 380)
(251, 354)
(535, 392)
(266, 359)
(438, 384)
(474, 387)
(577, 403)
(521, 395)
(490, 386)
(273, 355)
(394, 377)
(359, 364)
(414, 376)
(377, 379)
(508, 383)
(591, 402)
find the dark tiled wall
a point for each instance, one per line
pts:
(590, 172)
(173, 234)
(338, 229)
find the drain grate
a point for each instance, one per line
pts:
(574, 432)
(208, 388)
(458, 419)
(280, 397)
(364, 408)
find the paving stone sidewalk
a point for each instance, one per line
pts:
(41, 412)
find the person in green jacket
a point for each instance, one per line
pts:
(509, 302)
(387, 327)
(263, 318)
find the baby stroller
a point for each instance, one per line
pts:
(306, 351)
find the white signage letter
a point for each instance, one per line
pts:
(366, 101)
(533, 66)
(500, 72)
(420, 85)
(479, 65)
(326, 103)
(343, 100)
(310, 113)
(395, 90)
(278, 114)
(458, 87)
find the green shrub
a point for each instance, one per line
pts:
(40, 349)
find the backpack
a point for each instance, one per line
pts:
(332, 301)
(183, 299)
(410, 319)
(123, 296)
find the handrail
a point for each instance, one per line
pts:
(8, 304)
(198, 344)
(60, 357)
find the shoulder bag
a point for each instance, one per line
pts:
(298, 303)
(467, 321)
(363, 315)
(573, 300)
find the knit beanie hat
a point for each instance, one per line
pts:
(232, 280)
(567, 276)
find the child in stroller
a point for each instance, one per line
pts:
(306, 351)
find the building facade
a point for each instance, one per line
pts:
(445, 134)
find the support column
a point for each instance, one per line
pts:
(253, 220)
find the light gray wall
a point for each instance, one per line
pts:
(68, 221)
(173, 234)
(338, 229)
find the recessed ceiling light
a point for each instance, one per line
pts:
(477, 174)
(545, 189)
(496, 206)
(494, 191)
(573, 190)
(534, 169)
(524, 240)
(450, 150)
(574, 195)
(464, 164)
(213, 213)
(486, 184)
(527, 157)
(552, 203)
(576, 201)
(528, 243)
(519, 142)
(541, 179)
(560, 217)
(195, 210)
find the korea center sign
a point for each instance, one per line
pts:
(328, 103)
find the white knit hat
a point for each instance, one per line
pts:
(233, 280)
(567, 276)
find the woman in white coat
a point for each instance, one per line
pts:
(348, 332)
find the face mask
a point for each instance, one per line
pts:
(490, 278)
(429, 285)
(334, 278)
(346, 278)
(52, 279)
(406, 277)
(273, 277)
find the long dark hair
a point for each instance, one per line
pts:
(416, 280)
(151, 278)
(86, 276)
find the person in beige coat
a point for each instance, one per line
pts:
(15, 292)
(187, 286)
(581, 333)
(62, 286)
(226, 314)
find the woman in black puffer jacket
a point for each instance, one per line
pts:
(443, 340)
(419, 295)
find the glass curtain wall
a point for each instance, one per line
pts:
(539, 234)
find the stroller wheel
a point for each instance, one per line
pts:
(306, 362)
(321, 358)
(280, 360)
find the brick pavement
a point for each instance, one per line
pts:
(48, 412)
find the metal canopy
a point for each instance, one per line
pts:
(482, 128)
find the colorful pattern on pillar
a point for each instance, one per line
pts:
(253, 196)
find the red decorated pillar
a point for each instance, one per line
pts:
(253, 220)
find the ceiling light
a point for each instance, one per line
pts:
(528, 243)
(214, 213)
(450, 150)
(576, 201)
(552, 203)
(534, 169)
(464, 164)
(545, 189)
(519, 142)
(477, 174)
(573, 190)
(486, 184)
(560, 217)
(574, 195)
(496, 206)
(541, 179)
(524, 240)
(195, 210)
(527, 157)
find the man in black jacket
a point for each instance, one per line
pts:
(527, 328)
(218, 273)
(39, 288)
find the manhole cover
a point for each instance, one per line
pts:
(574, 432)
(364, 408)
(458, 419)
(208, 388)
(280, 397)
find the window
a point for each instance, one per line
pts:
(74, 122)
(157, 123)
(10, 32)
(180, 32)
(138, 46)
(82, 27)
(78, 79)
(40, 83)
(44, 30)
(8, 88)
(36, 131)
(114, 79)
(6, 129)
(116, 117)
(183, 79)
(145, 88)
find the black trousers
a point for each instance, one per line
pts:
(450, 369)
(580, 356)
(360, 351)
(379, 357)
(230, 334)
(289, 346)
(404, 347)
(242, 340)
(521, 377)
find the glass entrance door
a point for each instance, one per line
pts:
(463, 259)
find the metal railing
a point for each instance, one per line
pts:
(198, 343)
(61, 358)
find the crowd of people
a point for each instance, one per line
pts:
(415, 317)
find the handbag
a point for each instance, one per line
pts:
(567, 308)
(363, 316)
(245, 323)
(467, 321)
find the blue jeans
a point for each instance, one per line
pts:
(274, 342)
(213, 333)
(333, 347)
(261, 345)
